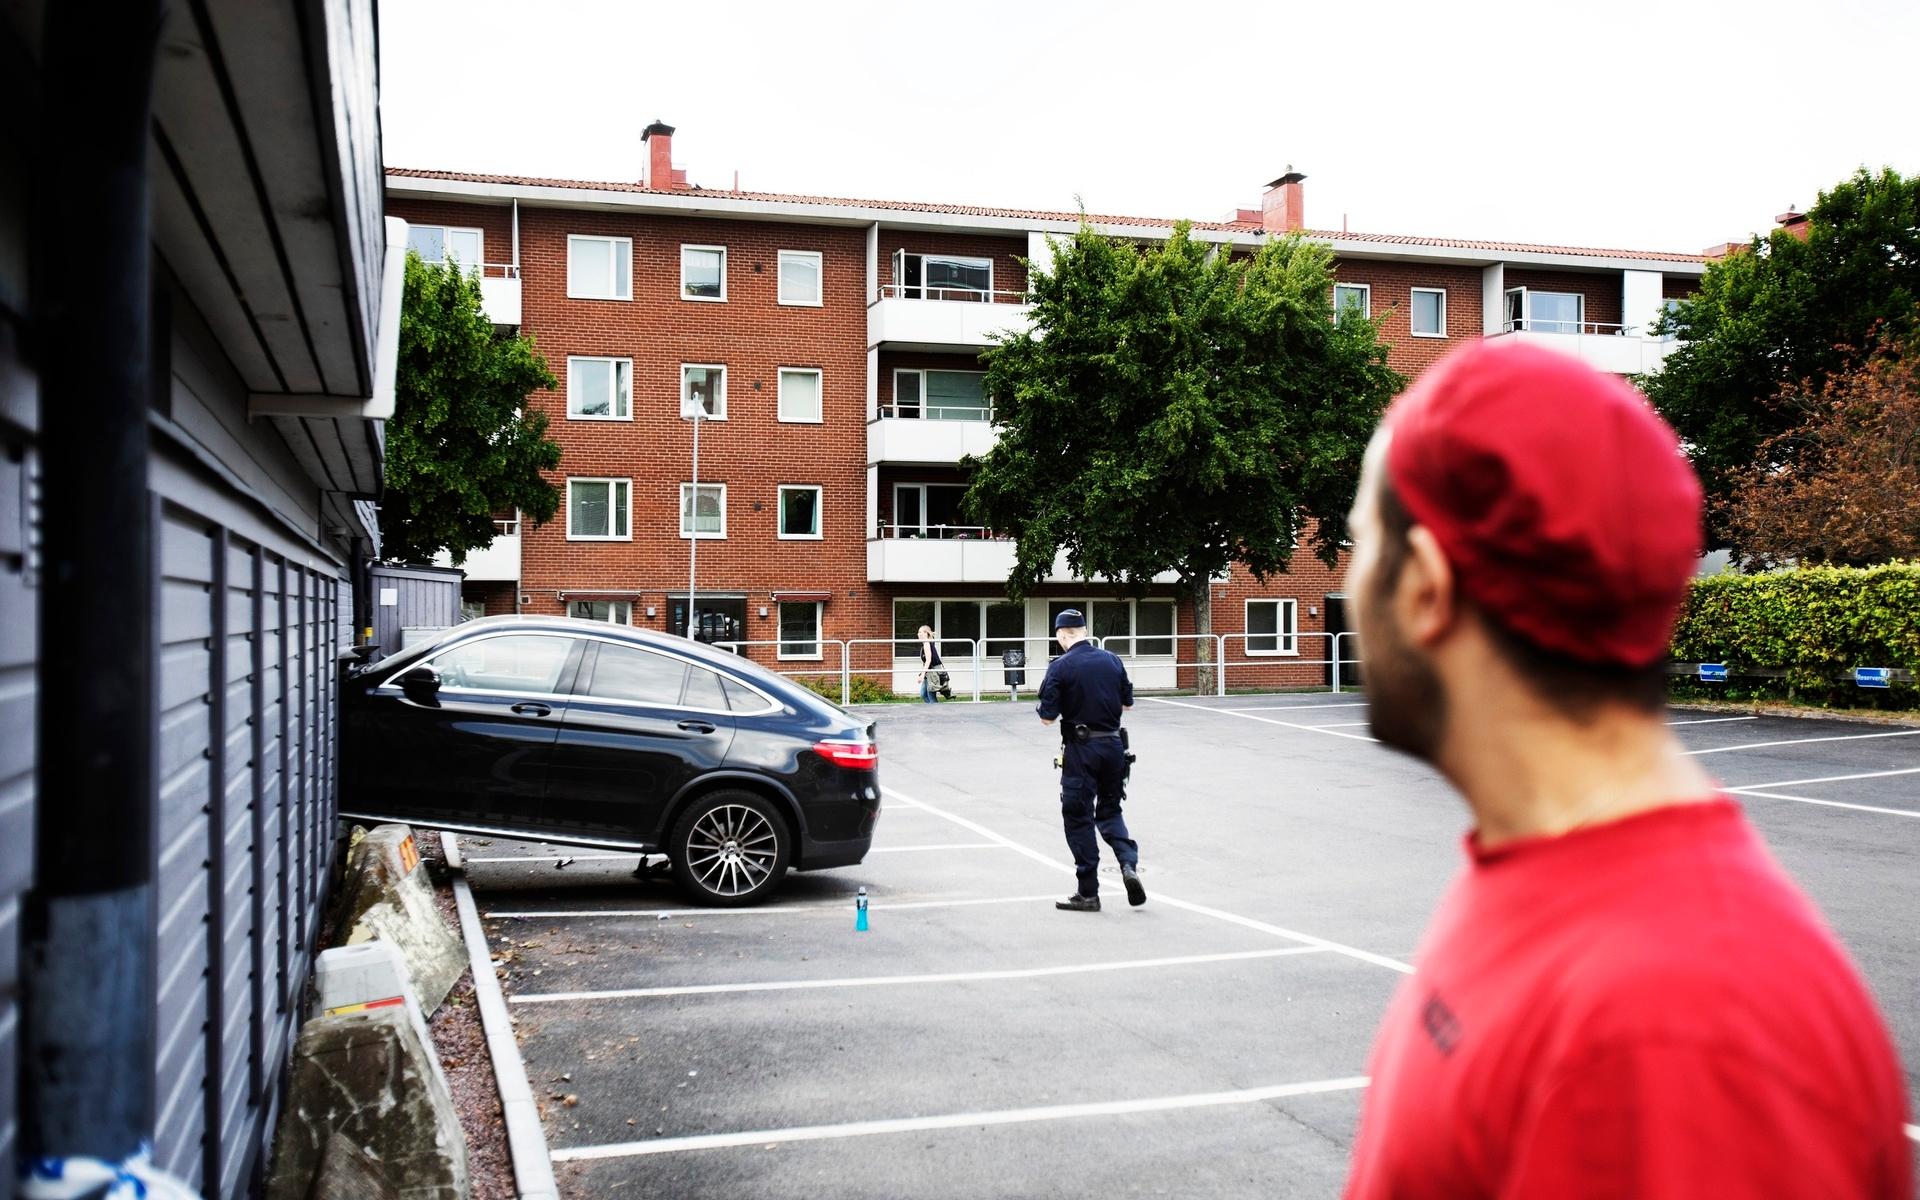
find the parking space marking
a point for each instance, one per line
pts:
(842, 906)
(806, 985)
(1893, 812)
(973, 1120)
(1845, 737)
(1288, 707)
(1342, 724)
(1248, 716)
(945, 846)
(1712, 721)
(1780, 783)
(1381, 960)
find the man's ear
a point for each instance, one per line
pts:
(1426, 600)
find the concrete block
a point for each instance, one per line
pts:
(349, 1173)
(367, 1077)
(387, 896)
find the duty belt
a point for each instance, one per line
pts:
(1090, 734)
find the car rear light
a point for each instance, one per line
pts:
(855, 756)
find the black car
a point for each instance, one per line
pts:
(592, 734)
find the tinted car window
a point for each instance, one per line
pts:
(627, 674)
(704, 690)
(741, 698)
(515, 663)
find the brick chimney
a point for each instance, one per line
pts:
(1794, 222)
(656, 170)
(1283, 208)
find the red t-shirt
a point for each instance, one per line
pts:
(1647, 1008)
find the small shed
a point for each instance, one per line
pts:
(407, 598)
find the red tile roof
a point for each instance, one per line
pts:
(1028, 214)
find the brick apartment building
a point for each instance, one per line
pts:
(834, 345)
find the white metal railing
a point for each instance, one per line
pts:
(964, 295)
(951, 532)
(938, 412)
(1554, 325)
(791, 666)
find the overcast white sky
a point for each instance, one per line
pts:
(1668, 126)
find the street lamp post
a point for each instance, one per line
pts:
(693, 409)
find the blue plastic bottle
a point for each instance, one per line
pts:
(860, 912)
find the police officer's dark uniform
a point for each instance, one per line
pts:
(1086, 689)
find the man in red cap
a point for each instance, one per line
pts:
(1622, 995)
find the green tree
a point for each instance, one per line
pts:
(1176, 408)
(1771, 324)
(462, 444)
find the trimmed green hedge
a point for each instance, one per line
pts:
(1815, 623)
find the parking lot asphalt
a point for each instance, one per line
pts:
(975, 1042)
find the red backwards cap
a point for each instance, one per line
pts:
(1562, 501)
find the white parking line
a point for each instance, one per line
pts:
(772, 910)
(1712, 721)
(806, 985)
(1288, 707)
(1780, 783)
(1247, 716)
(973, 1120)
(1897, 812)
(1342, 724)
(946, 846)
(1847, 737)
(1162, 898)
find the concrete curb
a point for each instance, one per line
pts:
(526, 1139)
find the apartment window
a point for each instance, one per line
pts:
(1270, 627)
(438, 243)
(617, 612)
(707, 516)
(599, 268)
(1429, 316)
(941, 395)
(800, 629)
(704, 386)
(600, 389)
(1154, 623)
(1112, 619)
(942, 276)
(799, 511)
(930, 510)
(598, 510)
(703, 272)
(1546, 312)
(800, 395)
(800, 277)
(1352, 297)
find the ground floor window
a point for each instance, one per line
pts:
(619, 612)
(716, 619)
(1136, 627)
(1271, 626)
(800, 629)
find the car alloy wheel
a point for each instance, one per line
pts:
(730, 849)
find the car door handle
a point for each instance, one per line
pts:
(532, 709)
(697, 726)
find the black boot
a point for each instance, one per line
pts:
(1079, 903)
(1136, 892)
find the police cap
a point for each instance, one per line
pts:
(1068, 619)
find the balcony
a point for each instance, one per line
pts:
(498, 560)
(953, 554)
(928, 318)
(1618, 349)
(934, 435)
(500, 300)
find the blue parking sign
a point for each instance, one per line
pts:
(1713, 672)
(1874, 677)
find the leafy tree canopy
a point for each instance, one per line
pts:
(1771, 324)
(1174, 408)
(462, 444)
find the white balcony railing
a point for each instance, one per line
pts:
(892, 438)
(498, 560)
(500, 294)
(953, 554)
(907, 317)
(1607, 347)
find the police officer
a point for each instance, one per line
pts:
(1086, 689)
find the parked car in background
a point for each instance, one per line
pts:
(592, 734)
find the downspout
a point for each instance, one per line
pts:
(89, 984)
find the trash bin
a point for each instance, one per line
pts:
(1014, 664)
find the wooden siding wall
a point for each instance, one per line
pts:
(425, 599)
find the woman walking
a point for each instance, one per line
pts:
(929, 667)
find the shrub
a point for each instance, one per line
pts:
(861, 689)
(1814, 624)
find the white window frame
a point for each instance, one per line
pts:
(1527, 320)
(1366, 298)
(446, 232)
(722, 252)
(613, 381)
(921, 289)
(619, 612)
(819, 276)
(819, 633)
(609, 536)
(925, 405)
(819, 394)
(720, 408)
(780, 512)
(682, 520)
(1286, 634)
(922, 526)
(621, 285)
(1440, 292)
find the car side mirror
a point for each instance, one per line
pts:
(420, 679)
